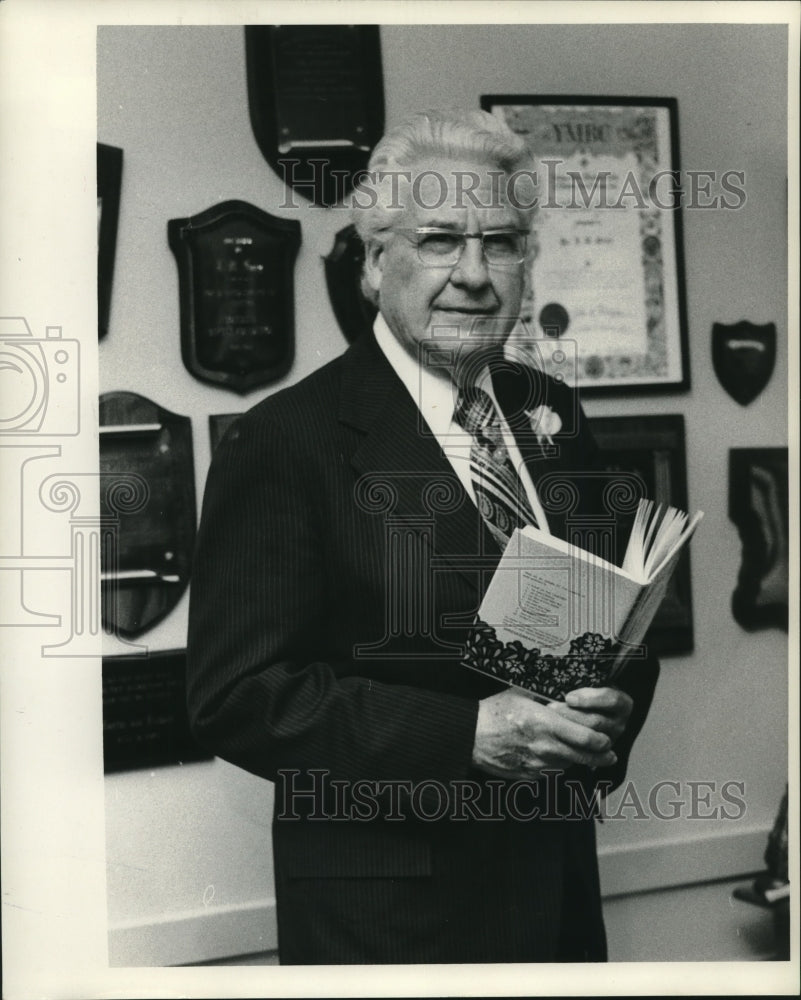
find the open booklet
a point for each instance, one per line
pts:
(556, 617)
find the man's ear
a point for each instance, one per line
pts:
(374, 264)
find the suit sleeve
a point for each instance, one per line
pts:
(638, 680)
(259, 693)
(639, 675)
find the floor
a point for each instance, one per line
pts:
(699, 923)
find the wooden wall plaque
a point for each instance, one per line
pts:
(236, 285)
(146, 565)
(316, 101)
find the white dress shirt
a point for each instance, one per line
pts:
(435, 398)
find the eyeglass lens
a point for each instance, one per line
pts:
(444, 248)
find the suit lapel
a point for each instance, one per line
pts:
(520, 390)
(399, 451)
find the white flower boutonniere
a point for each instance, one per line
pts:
(544, 423)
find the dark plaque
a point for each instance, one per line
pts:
(218, 425)
(145, 722)
(653, 448)
(759, 506)
(316, 100)
(743, 356)
(147, 481)
(343, 276)
(235, 274)
(109, 182)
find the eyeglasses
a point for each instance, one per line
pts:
(444, 247)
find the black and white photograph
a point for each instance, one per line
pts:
(400, 594)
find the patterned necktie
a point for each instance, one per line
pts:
(500, 496)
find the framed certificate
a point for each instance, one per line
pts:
(607, 270)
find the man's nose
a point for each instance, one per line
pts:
(471, 271)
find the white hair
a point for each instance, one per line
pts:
(452, 133)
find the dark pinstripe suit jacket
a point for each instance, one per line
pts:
(338, 567)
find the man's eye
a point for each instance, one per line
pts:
(502, 243)
(440, 243)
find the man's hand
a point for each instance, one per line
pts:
(606, 710)
(517, 737)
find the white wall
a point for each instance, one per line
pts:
(189, 868)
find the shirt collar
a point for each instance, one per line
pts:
(433, 395)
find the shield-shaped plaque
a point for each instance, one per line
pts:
(235, 274)
(316, 101)
(743, 356)
(343, 276)
(147, 503)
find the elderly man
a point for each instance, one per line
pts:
(349, 530)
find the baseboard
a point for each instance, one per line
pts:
(666, 864)
(220, 932)
(193, 937)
